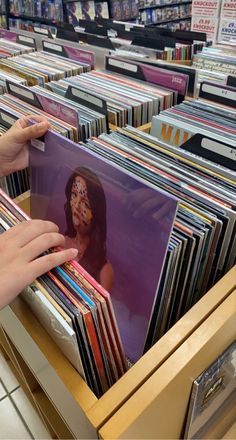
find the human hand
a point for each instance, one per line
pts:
(14, 149)
(21, 249)
(144, 202)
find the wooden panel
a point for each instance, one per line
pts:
(68, 408)
(98, 411)
(51, 415)
(231, 433)
(146, 127)
(157, 410)
(155, 357)
(23, 201)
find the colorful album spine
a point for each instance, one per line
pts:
(9, 200)
(91, 332)
(107, 297)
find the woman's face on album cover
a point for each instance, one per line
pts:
(80, 205)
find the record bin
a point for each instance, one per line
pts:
(139, 405)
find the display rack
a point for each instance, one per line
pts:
(3, 14)
(141, 403)
(26, 15)
(173, 15)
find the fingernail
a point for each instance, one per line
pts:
(74, 252)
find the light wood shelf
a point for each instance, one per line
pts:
(158, 409)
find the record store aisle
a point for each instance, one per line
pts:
(18, 418)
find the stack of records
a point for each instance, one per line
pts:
(78, 314)
(203, 243)
(109, 213)
(129, 101)
(72, 120)
(202, 116)
(10, 48)
(37, 68)
(16, 183)
(216, 59)
(196, 75)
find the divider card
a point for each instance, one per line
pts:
(77, 94)
(18, 38)
(225, 95)
(212, 149)
(177, 82)
(73, 53)
(127, 223)
(51, 106)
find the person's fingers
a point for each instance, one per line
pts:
(13, 231)
(43, 264)
(24, 121)
(136, 198)
(147, 208)
(42, 243)
(33, 131)
(28, 231)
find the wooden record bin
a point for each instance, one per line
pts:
(149, 401)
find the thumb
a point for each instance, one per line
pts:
(33, 131)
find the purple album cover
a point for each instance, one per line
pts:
(8, 35)
(120, 225)
(153, 74)
(73, 53)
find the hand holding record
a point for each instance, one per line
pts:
(142, 204)
(14, 149)
(21, 259)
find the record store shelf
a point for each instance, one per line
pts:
(141, 402)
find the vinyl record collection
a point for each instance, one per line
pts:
(85, 326)
(129, 101)
(9, 48)
(203, 238)
(178, 124)
(159, 209)
(216, 59)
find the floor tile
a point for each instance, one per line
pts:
(11, 424)
(6, 375)
(3, 392)
(29, 414)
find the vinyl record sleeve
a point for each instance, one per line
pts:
(136, 243)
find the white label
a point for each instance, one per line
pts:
(52, 309)
(4, 224)
(229, 94)
(22, 92)
(87, 97)
(26, 39)
(41, 30)
(205, 24)
(40, 145)
(8, 119)
(205, 8)
(221, 149)
(52, 46)
(123, 65)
